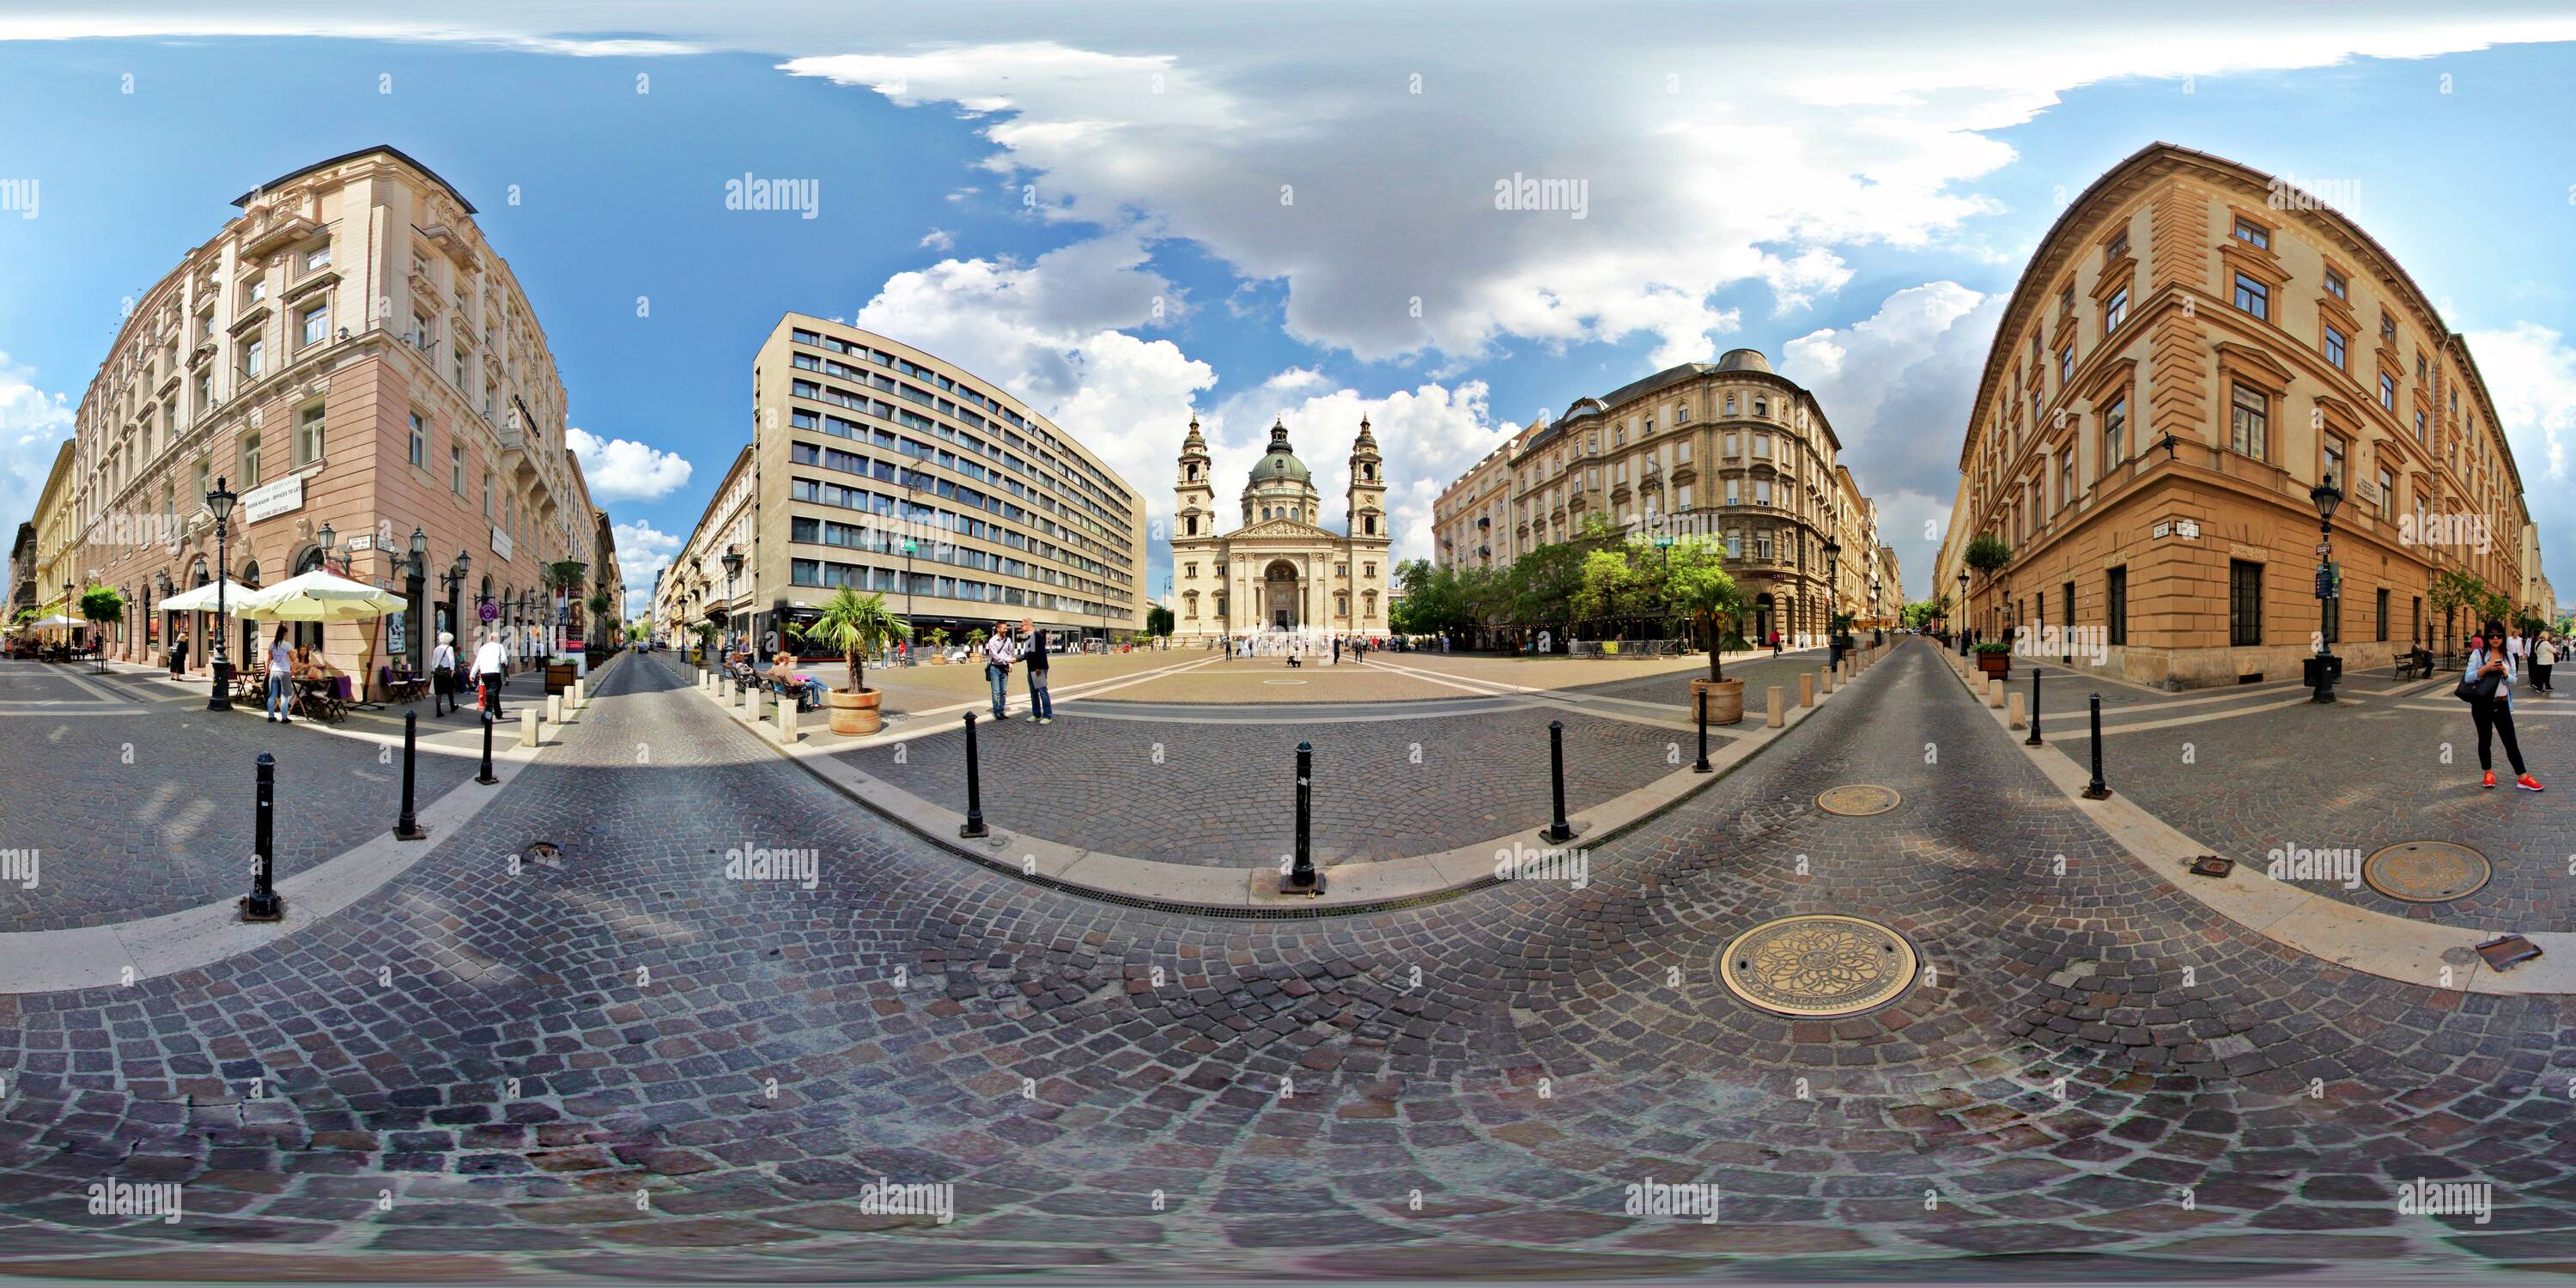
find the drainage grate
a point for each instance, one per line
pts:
(2427, 871)
(1858, 800)
(1819, 966)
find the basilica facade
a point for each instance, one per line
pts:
(1281, 571)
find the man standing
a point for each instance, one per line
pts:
(489, 659)
(998, 656)
(1041, 703)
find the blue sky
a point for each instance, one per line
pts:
(1289, 212)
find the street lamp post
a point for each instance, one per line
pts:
(733, 569)
(1833, 641)
(1959, 618)
(415, 579)
(220, 502)
(2327, 497)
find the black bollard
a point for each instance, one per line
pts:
(1302, 878)
(974, 787)
(407, 827)
(2033, 739)
(486, 777)
(2097, 790)
(1558, 830)
(1702, 767)
(262, 903)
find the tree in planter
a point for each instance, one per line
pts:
(101, 605)
(975, 639)
(855, 626)
(938, 638)
(1697, 587)
(706, 633)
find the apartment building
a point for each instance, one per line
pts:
(2196, 350)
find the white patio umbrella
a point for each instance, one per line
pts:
(56, 620)
(318, 596)
(202, 599)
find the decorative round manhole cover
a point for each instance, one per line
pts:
(1858, 799)
(2427, 871)
(1818, 966)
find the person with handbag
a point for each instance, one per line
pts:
(442, 676)
(2544, 658)
(2487, 687)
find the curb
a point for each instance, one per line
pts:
(1355, 888)
(2342, 934)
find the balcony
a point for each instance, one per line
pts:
(274, 232)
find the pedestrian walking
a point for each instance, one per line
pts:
(2544, 657)
(281, 666)
(2487, 686)
(442, 675)
(178, 653)
(998, 656)
(489, 659)
(1041, 703)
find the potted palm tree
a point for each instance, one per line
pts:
(938, 638)
(1697, 587)
(854, 626)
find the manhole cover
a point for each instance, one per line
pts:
(1818, 966)
(2427, 871)
(1858, 799)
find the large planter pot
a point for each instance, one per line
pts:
(1725, 700)
(854, 714)
(559, 677)
(1996, 664)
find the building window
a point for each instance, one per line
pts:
(1735, 545)
(2117, 247)
(2387, 327)
(2334, 461)
(2115, 311)
(1681, 452)
(2387, 495)
(2244, 603)
(2115, 433)
(1762, 446)
(2253, 296)
(419, 441)
(249, 471)
(2388, 393)
(254, 359)
(308, 435)
(316, 322)
(2335, 285)
(1762, 408)
(2115, 605)
(1762, 491)
(1682, 497)
(2066, 482)
(487, 496)
(2383, 614)
(2065, 368)
(2249, 231)
(2250, 422)
(2335, 352)
(1733, 497)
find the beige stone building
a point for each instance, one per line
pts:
(57, 561)
(2193, 347)
(1280, 570)
(347, 353)
(876, 466)
(1730, 451)
(1471, 518)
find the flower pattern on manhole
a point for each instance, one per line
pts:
(1858, 799)
(2427, 871)
(1820, 965)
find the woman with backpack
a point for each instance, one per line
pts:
(2487, 687)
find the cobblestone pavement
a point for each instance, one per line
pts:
(139, 802)
(632, 1065)
(1387, 784)
(2348, 779)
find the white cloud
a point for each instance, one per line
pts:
(33, 425)
(1897, 386)
(622, 469)
(643, 550)
(938, 239)
(2530, 372)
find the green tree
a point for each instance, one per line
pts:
(1988, 552)
(1695, 585)
(854, 626)
(1158, 620)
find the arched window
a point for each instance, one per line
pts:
(1762, 407)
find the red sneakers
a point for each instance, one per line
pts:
(2490, 782)
(2527, 783)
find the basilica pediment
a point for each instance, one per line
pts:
(1289, 528)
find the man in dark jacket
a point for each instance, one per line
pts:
(1034, 653)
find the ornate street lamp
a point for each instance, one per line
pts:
(328, 541)
(1833, 640)
(415, 570)
(2326, 496)
(733, 568)
(220, 502)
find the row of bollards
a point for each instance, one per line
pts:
(2097, 788)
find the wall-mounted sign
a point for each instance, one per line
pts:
(500, 543)
(362, 541)
(2163, 530)
(268, 501)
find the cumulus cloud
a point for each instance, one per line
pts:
(643, 550)
(622, 469)
(33, 425)
(1897, 386)
(2530, 372)
(937, 239)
